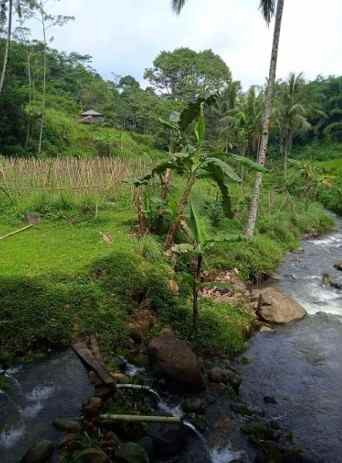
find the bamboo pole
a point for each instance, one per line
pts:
(108, 418)
(16, 232)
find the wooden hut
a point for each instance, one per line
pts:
(91, 117)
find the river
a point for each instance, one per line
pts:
(300, 365)
(39, 393)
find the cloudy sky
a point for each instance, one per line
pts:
(125, 36)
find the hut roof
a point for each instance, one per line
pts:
(91, 113)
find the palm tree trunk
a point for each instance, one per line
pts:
(253, 211)
(7, 46)
(286, 155)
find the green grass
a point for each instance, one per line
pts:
(283, 220)
(222, 328)
(62, 279)
(52, 247)
(330, 193)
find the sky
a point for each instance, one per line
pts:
(124, 37)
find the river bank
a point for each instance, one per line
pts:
(226, 323)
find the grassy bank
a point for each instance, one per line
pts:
(83, 271)
(331, 194)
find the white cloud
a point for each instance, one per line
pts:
(125, 37)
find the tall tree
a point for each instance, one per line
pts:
(268, 9)
(184, 74)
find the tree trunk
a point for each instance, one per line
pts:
(29, 78)
(254, 206)
(42, 119)
(183, 202)
(7, 46)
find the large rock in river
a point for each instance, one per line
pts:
(338, 265)
(175, 359)
(275, 307)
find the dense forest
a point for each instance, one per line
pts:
(304, 113)
(166, 294)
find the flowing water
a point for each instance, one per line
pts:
(300, 365)
(36, 395)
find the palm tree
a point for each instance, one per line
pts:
(241, 125)
(291, 113)
(268, 10)
(254, 206)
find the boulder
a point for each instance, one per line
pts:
(67, 425)
(338, 265)
(168, 441)
(132, 453)
(275, 307)
(39, 453)
(175, 359)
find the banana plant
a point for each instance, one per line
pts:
(196, 248)
(194, 162)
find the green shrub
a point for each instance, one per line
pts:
(135, 279)
(222, 328)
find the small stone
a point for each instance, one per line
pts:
(132, 453)
(270, 400)
(104, 392)
(196, 405)
(70, 440)
(93, 406)
(217, 375)
(94, 379)
(32, 218)
(336, 285)
(265, 329)
(92, 456)
(110, 436)
(66, 425)
(119, 377)
(39, 453)
(225, 376)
